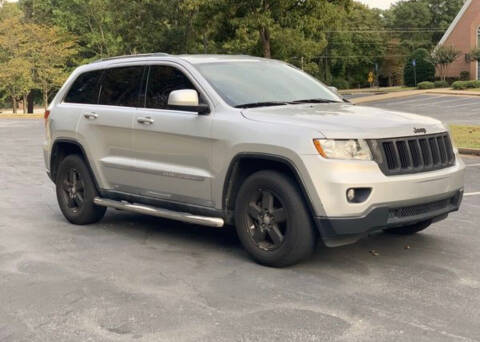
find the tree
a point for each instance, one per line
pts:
(49, 53)
(442, 57)
(15, 69)
(424, 69)
(475, 54)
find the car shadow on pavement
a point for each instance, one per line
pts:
(376, 249)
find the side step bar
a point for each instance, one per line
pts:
(159, 212)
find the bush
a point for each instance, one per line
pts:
(461, 85)
(426, 85)
(425, 69)
(441, 84)
(340, 83)
(464, 76)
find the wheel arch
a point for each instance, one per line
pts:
(61, 148)
(245, 164)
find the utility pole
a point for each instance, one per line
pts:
(301, 62)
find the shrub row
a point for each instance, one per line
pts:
(426, 85)
(460, 85)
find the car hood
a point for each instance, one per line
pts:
(343, 120)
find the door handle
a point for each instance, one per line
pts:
(145, 120)
(90, 116)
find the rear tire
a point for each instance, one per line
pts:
(409, 230)
(272, 221)
(76, 191)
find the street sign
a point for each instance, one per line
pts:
(414, 62)
(370, 77)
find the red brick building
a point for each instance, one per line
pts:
(464, 35)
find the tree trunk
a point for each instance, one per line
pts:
(45, 98)
(30, 102)
(265, 36)
(14, 104)
(24, 103)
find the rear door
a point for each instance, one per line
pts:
(173, 147)
(106, 128)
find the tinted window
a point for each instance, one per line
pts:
(85, 88)
(161, 82)
(121, 86)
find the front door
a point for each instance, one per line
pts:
(173, 147)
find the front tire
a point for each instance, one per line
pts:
(409, 230)
(272, 221)
(76, 191)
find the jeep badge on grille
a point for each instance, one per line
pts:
(419, 130)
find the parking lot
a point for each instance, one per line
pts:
(455, 109)
(139, 278)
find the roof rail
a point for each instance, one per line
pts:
(132, 56)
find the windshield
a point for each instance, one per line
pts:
(257, 82)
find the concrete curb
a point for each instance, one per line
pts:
(470, 151)
(388, 96)
(453, 93)
(22, 116)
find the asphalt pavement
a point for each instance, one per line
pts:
(138, 278)
(453, 109)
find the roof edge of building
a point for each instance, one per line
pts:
(454, 23)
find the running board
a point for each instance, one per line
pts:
(159, 212)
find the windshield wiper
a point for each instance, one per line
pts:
(314, 101)
(262, 104)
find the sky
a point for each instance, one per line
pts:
(383, 4)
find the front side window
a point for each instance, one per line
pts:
(241, 83)
(85, 88)
(162, 80)
(121, 86)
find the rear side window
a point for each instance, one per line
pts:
(121, 86)
(162, 80)
(85, 88)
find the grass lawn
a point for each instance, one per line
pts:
(466, 136)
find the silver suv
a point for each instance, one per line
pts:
(244, 141)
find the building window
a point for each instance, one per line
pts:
(478, 46)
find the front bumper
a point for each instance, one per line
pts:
(338, 231)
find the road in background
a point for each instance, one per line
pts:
(133, 277)
(456, 109)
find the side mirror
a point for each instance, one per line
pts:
(187, 99)
(334, 89)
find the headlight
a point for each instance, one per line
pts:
(343, 149)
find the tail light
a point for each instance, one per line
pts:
(46, 115)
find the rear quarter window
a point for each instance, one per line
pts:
(85, 88)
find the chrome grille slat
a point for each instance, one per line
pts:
(407, 155)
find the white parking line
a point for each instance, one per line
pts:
(472, 165)
(472, 194)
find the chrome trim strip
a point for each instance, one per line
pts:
(159, 212)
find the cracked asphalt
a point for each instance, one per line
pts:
(137, 278)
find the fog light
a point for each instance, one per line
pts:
(351, 195)
(358, 195)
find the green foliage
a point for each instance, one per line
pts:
(475, 54)
(331, 39)
(426, 85)
(426, 19)
(32, 56)
(441, 84)
(340, 83)
(442, 57)
(424, 68)
(461, 85)
(464, 76)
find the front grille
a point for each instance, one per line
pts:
(413, 154)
